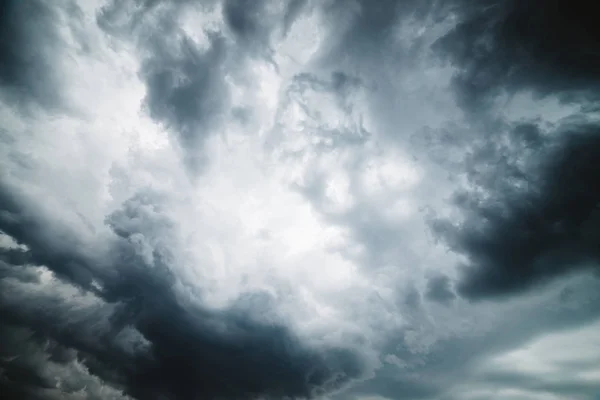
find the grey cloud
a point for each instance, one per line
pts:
(564, 386)
(429, 362)
(529, 211)
(511, 45)
(22, 52)
(367, 31)
(227, 355)
(252, 23)
(187, 85)
(136, 335)
(338, 87)
(439, 289)
(180, 350)
(381, 237)
(38, 359)
(413, 298)
(530, 207)
(57, 249)
(23, 273)
(30, 47)
(532, 213)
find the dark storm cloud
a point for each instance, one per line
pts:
(58, 249)
(30, 46)
(532, 207)
(32, 366)
(533, 210)
(120, 320)
(509, 45)
(439, 289)
(139, 334)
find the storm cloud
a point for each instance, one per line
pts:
(515, 45)
(354, 200)
(531, 206)
(141, 336)
(534, 215)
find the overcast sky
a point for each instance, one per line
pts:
(294, 199)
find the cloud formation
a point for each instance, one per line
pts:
(29, 43)
(526, 223)
(439, 290)
(510, 45)
(531, 206)
(229, 199)
(139, 335)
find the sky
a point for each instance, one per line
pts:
(299, 199)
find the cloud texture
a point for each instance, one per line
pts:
(297, 199)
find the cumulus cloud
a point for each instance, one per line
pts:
(530, 205)
(534, 215)
(226, 199)
(138, 334)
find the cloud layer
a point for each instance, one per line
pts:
(222, 199)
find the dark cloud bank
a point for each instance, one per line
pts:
(532, 208)
(137, 334)
(186, 351)
(531, 212)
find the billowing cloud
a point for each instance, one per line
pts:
(534, 214)
(138, 333)
(228, 199)
(530, 208)
(510, 45)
